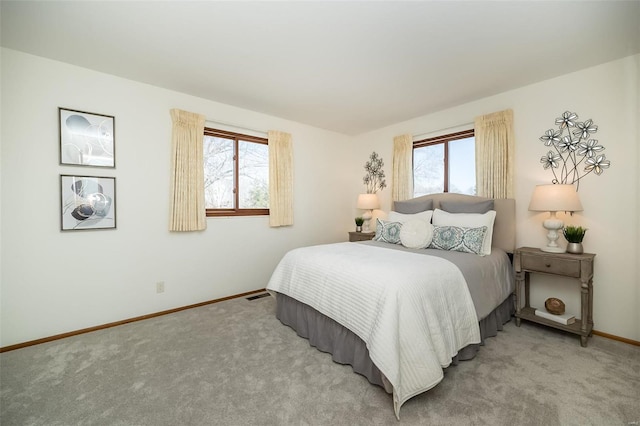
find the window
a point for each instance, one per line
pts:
(236, 174)
(445, 164)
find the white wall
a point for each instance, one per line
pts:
(609, 95)
(54, 282)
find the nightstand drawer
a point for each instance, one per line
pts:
(552, 265)
(361, 236)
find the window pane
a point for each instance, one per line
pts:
(218, 173)
(428, 170)
(462, 166)
(253, 175)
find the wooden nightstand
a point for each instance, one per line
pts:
(580, 266)
(361, 236)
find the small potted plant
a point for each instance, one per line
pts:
(359, 222)
(574, 235)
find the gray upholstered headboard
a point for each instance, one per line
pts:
(504, 228)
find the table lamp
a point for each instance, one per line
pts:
(368, 202)
(554, 198)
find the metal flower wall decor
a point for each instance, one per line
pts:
(374, 179)
(573, 150)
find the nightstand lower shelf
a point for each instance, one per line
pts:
(529, 314)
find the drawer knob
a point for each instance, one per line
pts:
(548, 265)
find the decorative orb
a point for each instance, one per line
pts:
(554, 306)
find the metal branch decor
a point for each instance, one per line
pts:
(573, 150)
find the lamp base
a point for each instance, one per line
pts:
(553, 249)
(553, 225)
(367, 218)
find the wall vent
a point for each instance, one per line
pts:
(257, 296)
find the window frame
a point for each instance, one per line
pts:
(443, 139)
(236, 137)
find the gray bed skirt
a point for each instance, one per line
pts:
(347, 348)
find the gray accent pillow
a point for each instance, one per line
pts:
(412, 206)
(466, 206)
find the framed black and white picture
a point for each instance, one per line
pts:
(87, 202)
(86, 139)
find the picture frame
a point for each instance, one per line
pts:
(86, 138)
(87, 202)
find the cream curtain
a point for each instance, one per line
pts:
(494, 154)
(187, 211)
(402, 177)
(280, 179)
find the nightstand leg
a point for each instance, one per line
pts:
(520, 278)
(584, 302)
(527, 280)
(590, 293)
(583, 341)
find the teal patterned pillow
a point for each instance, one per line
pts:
(388, 232)
(456, 238)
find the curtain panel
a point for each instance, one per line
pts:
(187, 209)
(494, 154)
(280, 179)
(402, 175)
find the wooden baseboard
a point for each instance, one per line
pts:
(618, 338)
(126, 321)
(209, 302)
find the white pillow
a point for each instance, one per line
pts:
(416, 234)
(468, 220)
(402, 217)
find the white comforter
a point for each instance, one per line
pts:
(414, 312)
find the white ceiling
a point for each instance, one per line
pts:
(350, 66)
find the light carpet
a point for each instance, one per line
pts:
(234, 363)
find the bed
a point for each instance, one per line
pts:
(398, 314)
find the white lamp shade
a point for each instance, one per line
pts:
(368, 201)
(555, 198)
